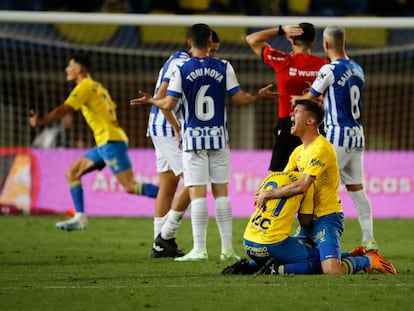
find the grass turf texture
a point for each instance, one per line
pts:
(108, 267)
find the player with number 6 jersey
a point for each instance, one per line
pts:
(202, 83)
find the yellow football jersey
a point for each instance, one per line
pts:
(272, 222)
(98, 109)
(319, 160)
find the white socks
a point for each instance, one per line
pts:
(158, 223)
(364, 210)
(224, 221)
(199, 222)
(171, 225)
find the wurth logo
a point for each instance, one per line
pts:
(293, 72)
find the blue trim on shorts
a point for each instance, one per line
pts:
(326, 233)
(290, 250)
(113, 154)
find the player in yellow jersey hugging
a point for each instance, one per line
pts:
(266, 236)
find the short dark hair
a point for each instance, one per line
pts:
(214, 37)
(200, 34)
(308, 35)
(315, 109)
(82, 59)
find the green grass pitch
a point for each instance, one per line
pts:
(108, 267)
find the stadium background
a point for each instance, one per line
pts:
(127, 58)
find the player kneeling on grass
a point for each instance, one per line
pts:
(273, 251)
(111, 148)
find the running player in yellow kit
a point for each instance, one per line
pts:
(111, 148)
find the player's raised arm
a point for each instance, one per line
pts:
(257, 40)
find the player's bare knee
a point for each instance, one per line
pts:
(71, 174)
(130, 188)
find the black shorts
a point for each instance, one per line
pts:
(284, 144)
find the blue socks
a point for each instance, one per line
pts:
(76, 191)
(148, 190)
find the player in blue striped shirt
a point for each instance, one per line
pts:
(163, 128)
(342, 83)
(202, 83)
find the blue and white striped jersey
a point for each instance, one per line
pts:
(157, 124)
(342, 83)
(202, 85)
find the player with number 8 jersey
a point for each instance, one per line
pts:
(342, 84)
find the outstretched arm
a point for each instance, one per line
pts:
(168, 102)
(56, 114)
(244, 98)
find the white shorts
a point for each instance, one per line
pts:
(168, 154)
(202, 167)
(350, 162)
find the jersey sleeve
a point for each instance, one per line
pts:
(324, 79)
(170, 69)
(78, 96)
(175, 86)
(232, 84)
(273, 57)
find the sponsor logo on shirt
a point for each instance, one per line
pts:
(279, 59)
(315, 162)
(205, 131)
(293, 72)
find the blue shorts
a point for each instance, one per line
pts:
(326, 232)
(113, 154)
(290, 250)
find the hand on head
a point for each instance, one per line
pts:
(292, 30)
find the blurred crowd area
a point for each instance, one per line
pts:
(243, 7)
